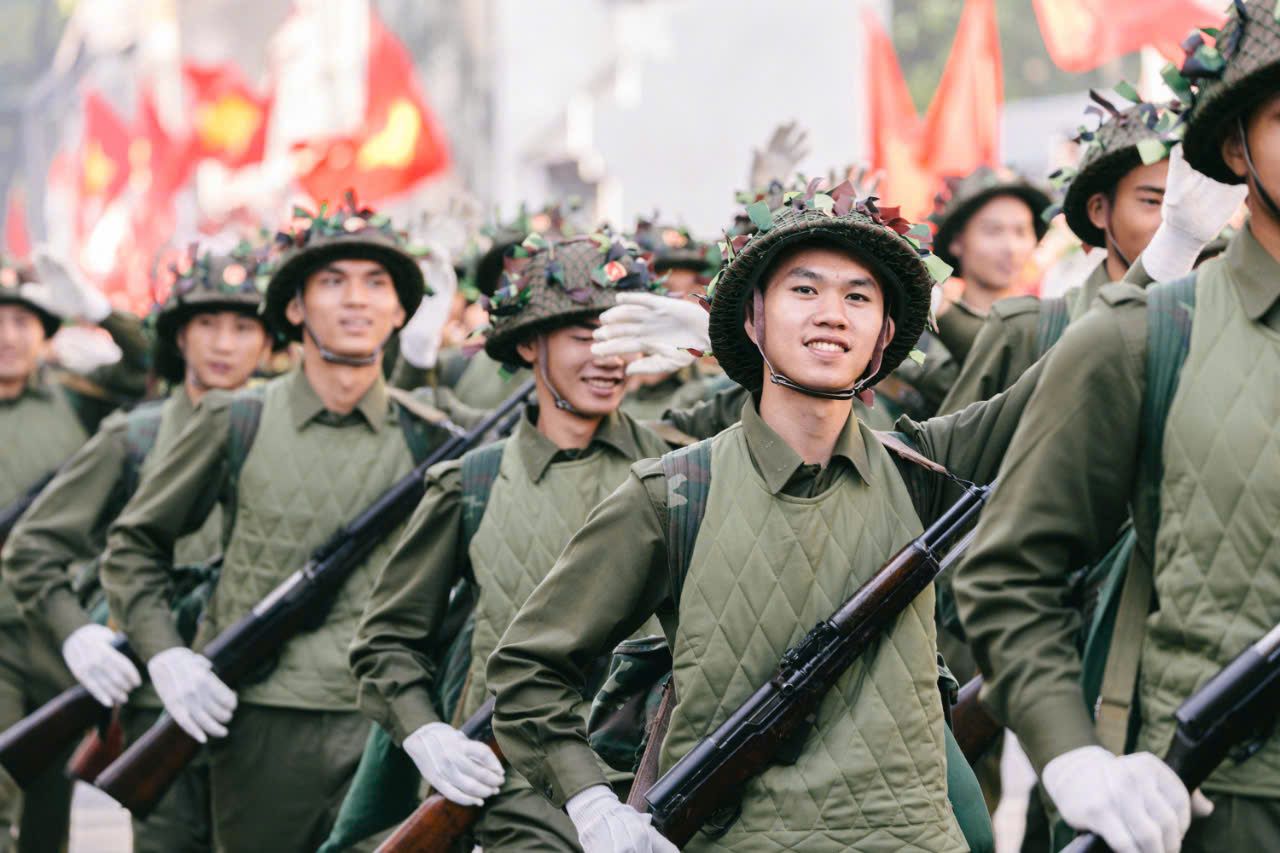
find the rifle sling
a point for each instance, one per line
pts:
(647, 772)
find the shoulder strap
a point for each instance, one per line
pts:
(688, 476)
(1170, 307)
(417, 420)
(479, 472)
(897, 444)
(142, 425)
(1054, 316)
(245, 413)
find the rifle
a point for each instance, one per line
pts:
(29, 746)
(1231, 715)
(774, 721)
(437, 823)
(148, 767)
(975, 730)
(101, 746)
(10, 514)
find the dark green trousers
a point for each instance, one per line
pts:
(278, 777)
(180, 821)
(32, 673)
(520, 820)
(1247, 824)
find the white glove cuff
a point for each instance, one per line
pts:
(1171, 254)
(589, 803)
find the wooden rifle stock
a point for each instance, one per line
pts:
(974, 729)
(437, 824)
(100, 747)
(145, 771)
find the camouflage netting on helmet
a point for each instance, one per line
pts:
(963, 197)
(1124, 139)
(18, 286)
(554, 222)
(673, 247)
(895, 251)
(547, 285)
(347, 232)
(1225, 81)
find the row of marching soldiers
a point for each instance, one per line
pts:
(1129, 553)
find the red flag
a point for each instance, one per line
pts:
(229, 118)
(962, 127)
(17, 240)
(895, 126)
(399, 143)
(1080, 35)
(160, 163)
(104, 155)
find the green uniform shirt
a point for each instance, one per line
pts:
(958, 328)
(1067, 485)
(682, 389)
(539, 666)
(1008, 343)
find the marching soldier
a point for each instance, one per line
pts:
(1189, 419)
(208, 336)
(289, 462)
(802, 504)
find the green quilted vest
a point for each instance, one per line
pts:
(1217, 550)
(295, 489)
(38, 431)
(526, 525)
(764, 570)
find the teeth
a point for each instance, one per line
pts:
(826, 346)
(602, 383)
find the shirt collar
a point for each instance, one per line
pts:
(539, 452)
(1255, 272)
(778, 462)
(306, 405)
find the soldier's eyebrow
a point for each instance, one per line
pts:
(1149, 188)
(814, 275)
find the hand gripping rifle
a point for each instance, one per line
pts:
(1230, 716)
(148, 767)
(773, 722)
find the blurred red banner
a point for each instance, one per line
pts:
(1080, 35)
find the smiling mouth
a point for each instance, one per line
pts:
(602, 382)
(826, 346)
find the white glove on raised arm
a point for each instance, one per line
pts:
(462, 770)
(662, 328)
(197, 699)
(1195, 210)
(607, 825)
(105, 672)
(421, 337)
(1135, 802)
(70, 295)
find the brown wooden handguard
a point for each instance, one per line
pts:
(97, 751)
(437, 824)
(139, 778)
(975, 730)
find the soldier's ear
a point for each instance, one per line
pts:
(293, 310)
(528, 350)
(1233, 151)
(749, 321)
(1098, 210)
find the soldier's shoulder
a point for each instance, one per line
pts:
(1015, 306)
(1122, 293)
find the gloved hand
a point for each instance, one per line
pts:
(462, 770)
(607, 825)
(660, 327)
(421, 336)
(70, 296)
(1195, 210)
(197, 699)
(1135, 802)
(106, 673)
(785, 149)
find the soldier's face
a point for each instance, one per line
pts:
(594, 386)
(351, 306)
(823, 313)
(21, 342)
(1262, 128)
(1133, 214)
(996, 243)
(682, 283)
(222, 348)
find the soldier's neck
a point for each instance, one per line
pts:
(10, 389)
(979, 298)
(809, 425)
(565, 430)
(1116, 267)
(339, 386)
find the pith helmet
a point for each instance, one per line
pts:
(965, 197)
(18, 286)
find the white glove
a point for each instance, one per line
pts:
(105, 672)
(197, 699)
(82, 349)
(785, 149)
(70, 296)
(421, 336)
(607, 825)
(462, 770)
(1195, 210)
(660, 327)
(1135, 802)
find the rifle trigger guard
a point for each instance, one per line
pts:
(723, 819)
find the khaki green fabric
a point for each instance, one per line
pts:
(764, 570)
(538, 669)
(483, 385)
(1008, 343)
(180, 822)
(279, 776)
(680, 390)
(1064, 495)
(957, 329)
(1237, 823)
(1217, 552)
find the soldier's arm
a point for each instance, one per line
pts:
(63, 527)
(391, 654)
(126, 378)
(172, 501)
(1002, 351)
(710, 416)
(610, 578)
(1063, 494)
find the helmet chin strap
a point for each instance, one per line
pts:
(1253, 172)
(345, 360)
(1113, 244)
(561, 403)
(859, 388)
